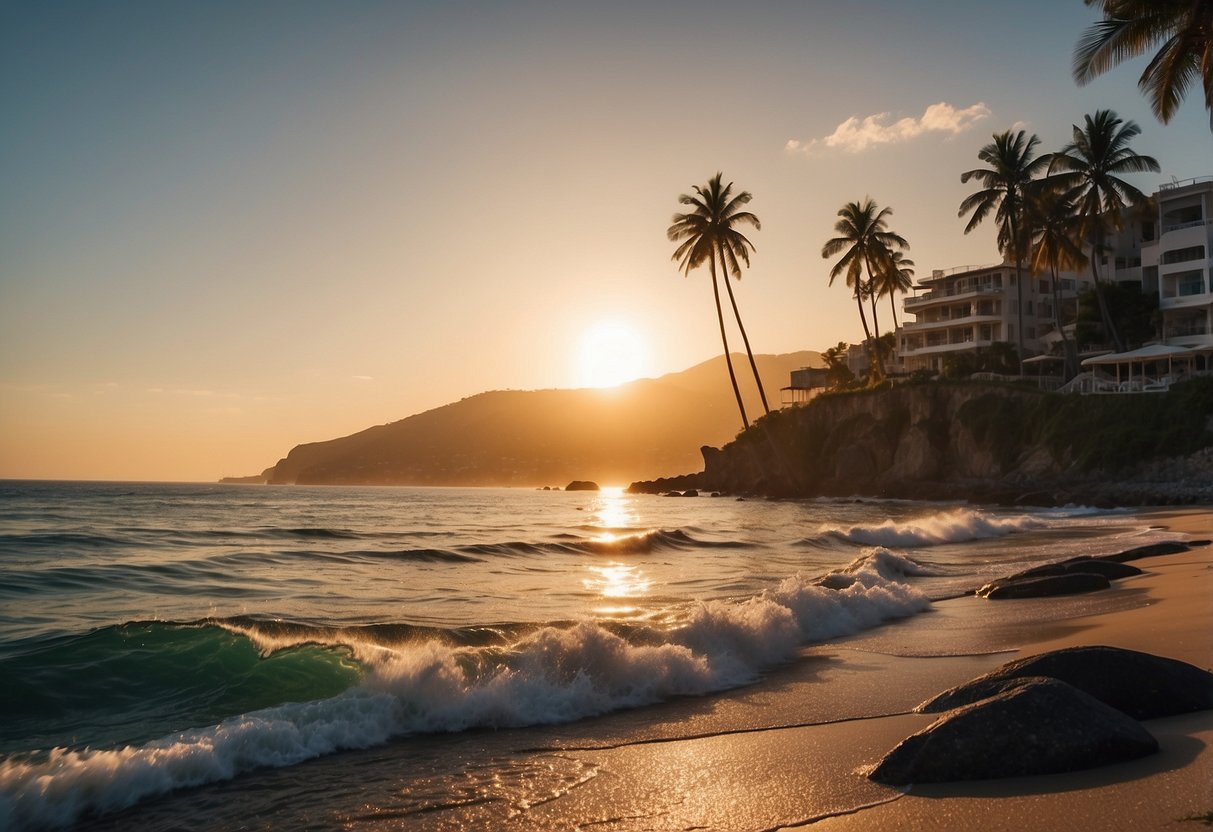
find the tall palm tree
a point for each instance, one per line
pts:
(698, 234)
(1088, 170)
(897, 276)
(734, 249)
(1055, 228)
(1183, 32)
(1004, 183)
(866, 244)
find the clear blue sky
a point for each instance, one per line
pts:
(230, 227)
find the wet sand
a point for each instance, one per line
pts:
(780, 756)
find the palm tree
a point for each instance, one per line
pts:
(1183, 32)
(1055, 228)
(897, 276)
(867, 242)
(1087, 169)
(699, 233)
(734, 249)
(1004, 183)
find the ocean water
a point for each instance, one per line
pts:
(234, 657)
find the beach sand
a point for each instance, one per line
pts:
(779, 757)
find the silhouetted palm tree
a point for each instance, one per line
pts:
(1004, 183)
(1183, 32)
(700, 233)
(734, 249)
(867, 243)
(897, 276)
(1087, 169)
(1056, 234)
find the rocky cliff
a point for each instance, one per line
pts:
(998, 443)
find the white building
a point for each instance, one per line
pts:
(1180, 262)
(962, 309)
(1168, 251)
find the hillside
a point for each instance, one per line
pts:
(639, 430)
(966, 440)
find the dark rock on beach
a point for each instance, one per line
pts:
(1110, 569)
(1040, 726)
(581, 485)
(1067, 583)
(1139, 684)
(1166, 547)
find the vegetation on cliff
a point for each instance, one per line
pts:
(961, 440)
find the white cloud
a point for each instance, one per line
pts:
(363, 378)
(856, 135)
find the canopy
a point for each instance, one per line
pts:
(1150, 352)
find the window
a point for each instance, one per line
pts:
(1044, 287)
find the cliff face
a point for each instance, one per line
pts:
(984, 442)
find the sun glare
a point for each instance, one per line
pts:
(611, 353)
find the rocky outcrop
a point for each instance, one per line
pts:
(1060, 711)
(1044, 586)
(980, 442)
(1141, 685)
(1038, 726)
(581, 485)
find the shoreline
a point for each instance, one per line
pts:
(773, 758)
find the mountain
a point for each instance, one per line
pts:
(640, 430)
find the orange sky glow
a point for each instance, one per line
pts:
(230, 228)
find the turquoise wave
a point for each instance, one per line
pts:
(141, 680)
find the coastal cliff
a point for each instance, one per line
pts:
(984, 442)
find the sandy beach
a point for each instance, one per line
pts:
(777, 757)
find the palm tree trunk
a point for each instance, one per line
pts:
(1019, 310)
(745, 340)
(728, 360)
(875, 322)
(893, 306)
(1068, 369)
(873, 358)
(1105, 315)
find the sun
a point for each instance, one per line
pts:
(611, 353)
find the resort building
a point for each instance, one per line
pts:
(1180, 263)
(1166, 248)
(966, 308)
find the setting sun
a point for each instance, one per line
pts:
(611, 354)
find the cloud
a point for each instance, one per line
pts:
(856, 135)
(363, 378)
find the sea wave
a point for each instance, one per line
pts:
(951, 526)
(549, 674)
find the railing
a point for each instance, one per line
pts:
(1196, 180)
(1183, 225)
(961, 269)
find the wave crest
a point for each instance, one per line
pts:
(954, 526)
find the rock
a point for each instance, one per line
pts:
(1139, 684)
(581, 485)
(1110, 569)
(690, 492)
(1068, 583)
(1166, 547)
(1041, 726)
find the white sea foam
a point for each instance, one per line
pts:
(555, 674)
(952, 526)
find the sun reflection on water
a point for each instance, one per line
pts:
(617, 580)
(612, 511)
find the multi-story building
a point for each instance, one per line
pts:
(962, 309)
(1180, 262)
(1167, 248)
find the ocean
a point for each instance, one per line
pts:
(221, 657)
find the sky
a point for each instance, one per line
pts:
(227, 228)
